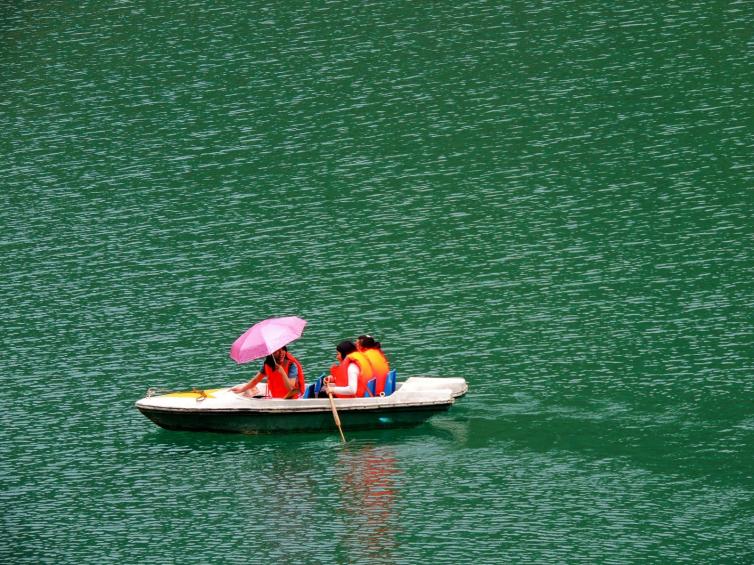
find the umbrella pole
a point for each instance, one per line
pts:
(335, 413)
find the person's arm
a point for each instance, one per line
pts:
(353, 382)
(293, 373)
(250, 385)
(290, 385)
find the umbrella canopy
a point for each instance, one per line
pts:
(265, 337)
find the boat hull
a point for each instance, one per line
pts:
(254, 422)
(220, 410)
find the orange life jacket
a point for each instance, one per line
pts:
(275, 386)
(380, 367)
(340, 372)
(364, 364)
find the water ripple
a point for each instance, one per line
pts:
(551, 199)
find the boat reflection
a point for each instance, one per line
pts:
(368, 480)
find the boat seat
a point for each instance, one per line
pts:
(390, 382)
(372, 386)
(318, 384)
(312, 389)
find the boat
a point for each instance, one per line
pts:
(412, 402)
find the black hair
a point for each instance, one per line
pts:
(368, 342)
(345, 347)
(270, 360)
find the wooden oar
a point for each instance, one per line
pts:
(335, 412)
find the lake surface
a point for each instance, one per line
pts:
(552, 199)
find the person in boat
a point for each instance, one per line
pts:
(349, 378)
(372, 350)
(284, 374)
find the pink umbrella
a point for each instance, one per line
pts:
(265, 337)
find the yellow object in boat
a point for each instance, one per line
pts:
(194, 393)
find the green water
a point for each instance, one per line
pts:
(551, 199)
